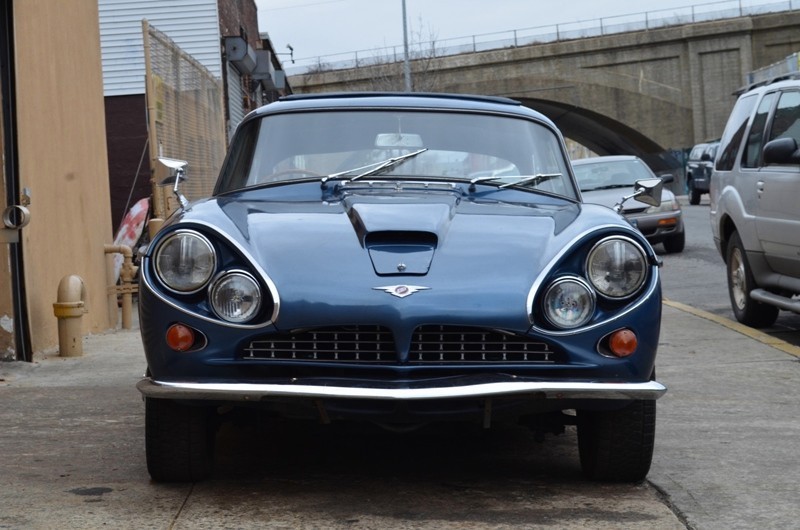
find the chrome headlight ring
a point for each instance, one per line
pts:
(235, 296)
(617, 267)
(184, 261)
(569, 302)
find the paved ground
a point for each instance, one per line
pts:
(72, 456)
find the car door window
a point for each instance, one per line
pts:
(755, 138)
(786, 123)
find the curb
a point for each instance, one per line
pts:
(754, 334)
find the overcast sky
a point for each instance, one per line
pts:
(324, 27)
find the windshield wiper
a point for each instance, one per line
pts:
(609, 187)
(533, 179)
(374, 168)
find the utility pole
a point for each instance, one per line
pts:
(406, 64)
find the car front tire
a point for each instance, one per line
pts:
(179, 441)
(675, 243)
(740, 282)
(617, 445)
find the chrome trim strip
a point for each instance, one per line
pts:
(273, 290)
(642, 299)
(566, 248)
(651, 390)
(540, 279)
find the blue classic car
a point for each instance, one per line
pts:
(400, 259)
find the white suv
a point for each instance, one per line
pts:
(755, 202)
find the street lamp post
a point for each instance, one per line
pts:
(406, 64)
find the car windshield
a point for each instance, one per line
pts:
(388, 144)
(609, 174)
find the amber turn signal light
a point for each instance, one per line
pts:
(623, 343)
(180, 337)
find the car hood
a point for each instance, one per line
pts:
(361, 251)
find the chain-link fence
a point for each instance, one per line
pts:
(186, 118)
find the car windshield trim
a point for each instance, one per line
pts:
(326, 145)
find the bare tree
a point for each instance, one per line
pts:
(386, 69)
(422, 53)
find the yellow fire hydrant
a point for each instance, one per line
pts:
(69, 309)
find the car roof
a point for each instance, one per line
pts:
(762, 87)
(409, 100)
(608, 158)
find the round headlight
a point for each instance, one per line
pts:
(236, 297)
(616, 267)
(185, 261)
(569, 303)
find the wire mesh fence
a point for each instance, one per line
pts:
(186, 118)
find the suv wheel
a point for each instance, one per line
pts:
(740, 283)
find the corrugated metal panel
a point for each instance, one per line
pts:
(192, 24)
(235, 99)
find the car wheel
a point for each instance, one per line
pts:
(694, 197)
(179, 441)
(617, 445)
(674, 244)
(740, 282)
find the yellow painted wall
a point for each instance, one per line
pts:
(62, 157)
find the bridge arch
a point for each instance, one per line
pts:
(605, 135)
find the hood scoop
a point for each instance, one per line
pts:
(401, 252)
(401, 233)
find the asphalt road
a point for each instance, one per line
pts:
(697, 277)
(72, 446)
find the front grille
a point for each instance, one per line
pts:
(361, 344)
(431, 344)
(453, 344)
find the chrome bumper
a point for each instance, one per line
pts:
(651, 390)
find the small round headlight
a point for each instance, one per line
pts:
(568, 303)
(236, 297)
(616, 267)
(185, 261)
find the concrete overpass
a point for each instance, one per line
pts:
(642, 92)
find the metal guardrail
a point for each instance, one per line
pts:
(545, 34)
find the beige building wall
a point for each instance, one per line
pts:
(62, 158)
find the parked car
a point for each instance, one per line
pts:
(400, 259)
(755, 193)
(698, 169)
(605, 179)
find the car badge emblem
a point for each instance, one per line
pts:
(401, 291)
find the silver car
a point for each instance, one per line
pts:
(606, 179)
(755, 192)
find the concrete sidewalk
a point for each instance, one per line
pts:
(72, 441)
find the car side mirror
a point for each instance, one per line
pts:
(177, 171)
(647, 191)
(782, 151)
(667, 178)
